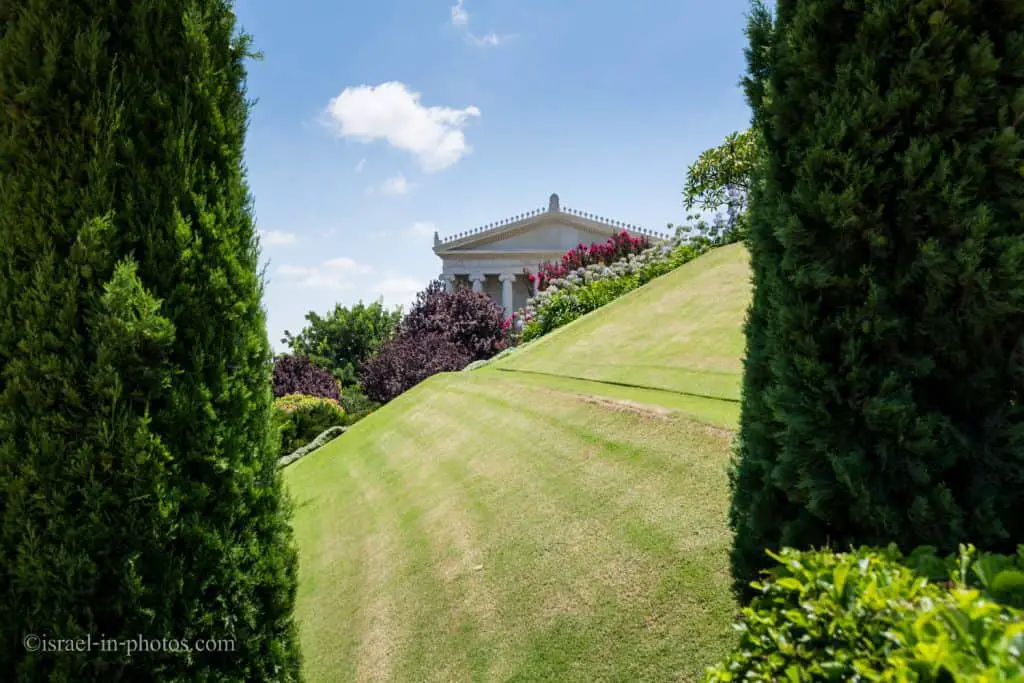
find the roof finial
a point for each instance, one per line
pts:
(553, 203)
(437, 239)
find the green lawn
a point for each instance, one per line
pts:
(681, 332)
(524, 523)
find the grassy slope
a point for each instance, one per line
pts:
(503, 525)
(681, 333)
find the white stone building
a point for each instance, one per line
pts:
(492, 258)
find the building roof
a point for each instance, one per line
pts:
(493, 232)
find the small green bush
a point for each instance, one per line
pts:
(301, 418)
(356, 404)
(876, 615)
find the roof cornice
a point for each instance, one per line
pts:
(520, 223)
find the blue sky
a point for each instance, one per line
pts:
(377, 123)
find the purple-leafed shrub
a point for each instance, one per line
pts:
(469, 319)
(406, 360)
(298, 375)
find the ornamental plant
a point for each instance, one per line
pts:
(587, 289)
(442, 332)
(139, 486)
(298, 375)
(582, 255)
(884, 375)
(869, 615)
(300, 419)
(470, 320)
(406, 360)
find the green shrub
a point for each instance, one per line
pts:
(325, 436)
(870, 615)
(356, 404)
(882, 392)
(140, 494)
(301, 418)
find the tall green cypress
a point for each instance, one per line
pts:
(885, 341)
(139, 492)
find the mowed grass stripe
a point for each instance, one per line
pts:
(321, 542)
(583, 577)
(679, 529)
(347, 570)
(637, 462)
(382, 609)
(561, 565)
(451, 645)
(531, 549)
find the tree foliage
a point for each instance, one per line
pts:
(882, 384)
(442, 332)
(721, 179)
(139, 488)
(298, 375)
(345, 337)
(406, 360)
(471, 320)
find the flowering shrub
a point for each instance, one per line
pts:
(618, 246)
(298, 375)
(590, 287)
(301, 418)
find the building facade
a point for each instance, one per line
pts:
(492, 258)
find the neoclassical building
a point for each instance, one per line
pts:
(491, 258)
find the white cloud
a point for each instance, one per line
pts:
(336, 273)
(390, 111)
(395, 186)
(293, 270)
(460, 17)
(361, 165)
(490, 39)
(398, 289)
(276, 237)
(422, 229)
(344, 263)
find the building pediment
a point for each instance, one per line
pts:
(555, 229)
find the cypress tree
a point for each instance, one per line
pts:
(882, 388)
(141, 503)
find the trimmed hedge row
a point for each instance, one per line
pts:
(325, 436)
(876, 615)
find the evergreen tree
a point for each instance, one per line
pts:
(883, 377)
(139, 490)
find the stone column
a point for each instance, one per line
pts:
(449, 282)
(478, 282)
(536, 284)
(506, 291)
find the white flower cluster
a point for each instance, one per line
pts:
(625, 266)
